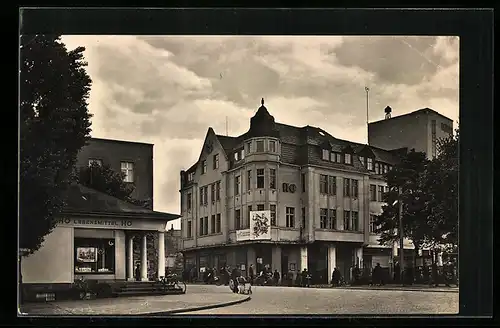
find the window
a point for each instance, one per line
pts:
(260, 146)
(325, 155)
(303, 218)
(128, 171)
(212, 192)
(373, 227)
(355, 188)
(205, 201)
(272, 146)
(237, 185)
(323, 184)
(239, 155)
(249, 180)
(332, 185)
(338, 158)
(93, 161)
(354, 221)
(380, 193)
(190, 176)
(347, 187)
(201, 232)
(217, 224)
(369, 164)
(212, 224)
(217, 190)
(323, 217)
(347, 159)
(203, 167)
(249, 209)
(249, 147)
(189, 201)
(377, 168)
(260, 207)
(216, 161)
(389, 167)
(303, 181)
(347, 219)
(189, 233)
(290, 217)
(272, 178)
(373, 193)
(93, 255)
(332, 219)
(385, 169)
(205, 226)
(333, 157)
(362, 160)
(446, 128)
(237, 219)
(202, 196)
(260, 178)
(272, 209)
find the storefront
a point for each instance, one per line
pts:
(97, 246)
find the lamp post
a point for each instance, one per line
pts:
(400, 234)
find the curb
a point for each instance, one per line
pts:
(199, 308)
(403, 289)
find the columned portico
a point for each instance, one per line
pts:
(144, 258)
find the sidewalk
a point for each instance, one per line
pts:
(151, 305)
(413, 288)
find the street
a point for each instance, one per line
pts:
(305, 301)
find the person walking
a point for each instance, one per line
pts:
(335, 277)
(251, 273)
(138, 272)
(276, 277)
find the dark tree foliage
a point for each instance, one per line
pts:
(407, 177)
(54, 126)
(441, 183)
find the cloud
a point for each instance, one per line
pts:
(168, 90)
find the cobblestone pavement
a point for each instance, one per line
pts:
(196, 296)
(304, 301)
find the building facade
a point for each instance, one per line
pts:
(135, 159)
(419, 130)
(321, 192)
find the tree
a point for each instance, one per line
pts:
(407, 177)
(441, 183)
(54, 126)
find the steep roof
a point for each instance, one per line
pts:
(84, 200)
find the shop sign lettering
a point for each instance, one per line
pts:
(109, 223)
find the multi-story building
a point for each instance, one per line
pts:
(419, 130)
(322, 193)
(134, 159)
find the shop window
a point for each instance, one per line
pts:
(93, 255)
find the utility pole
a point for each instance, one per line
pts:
(401, 234)
(367, 90)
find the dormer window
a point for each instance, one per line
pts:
(377, 168)
(260, 146)
(239, 155)
(385, 168)
(347, 159)
(249, 147)
(272, 146)
(190, 176)
(203, 167)
(362, 160)
(369, 164)
(326, 155)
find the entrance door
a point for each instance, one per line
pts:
(284, 265)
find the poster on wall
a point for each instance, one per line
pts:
(260, 228)
(86, 254)
(242, 235)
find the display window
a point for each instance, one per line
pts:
(95, 256)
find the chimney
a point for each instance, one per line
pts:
(388, 111)
(172, 227)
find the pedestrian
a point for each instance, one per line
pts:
(305, 278)
(276, 277)
(138, 272)
(251, 273)
(335, 277)
(235, 274)
(376, 273)
(397, 272)
(357, 274)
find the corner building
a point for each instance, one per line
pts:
(322, 193)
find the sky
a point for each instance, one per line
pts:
(168, 90)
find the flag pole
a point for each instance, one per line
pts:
(367, 90)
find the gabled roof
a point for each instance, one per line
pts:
(84, 200)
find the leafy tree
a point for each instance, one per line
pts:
(54, 126)
(441, 183)
(407, 177)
